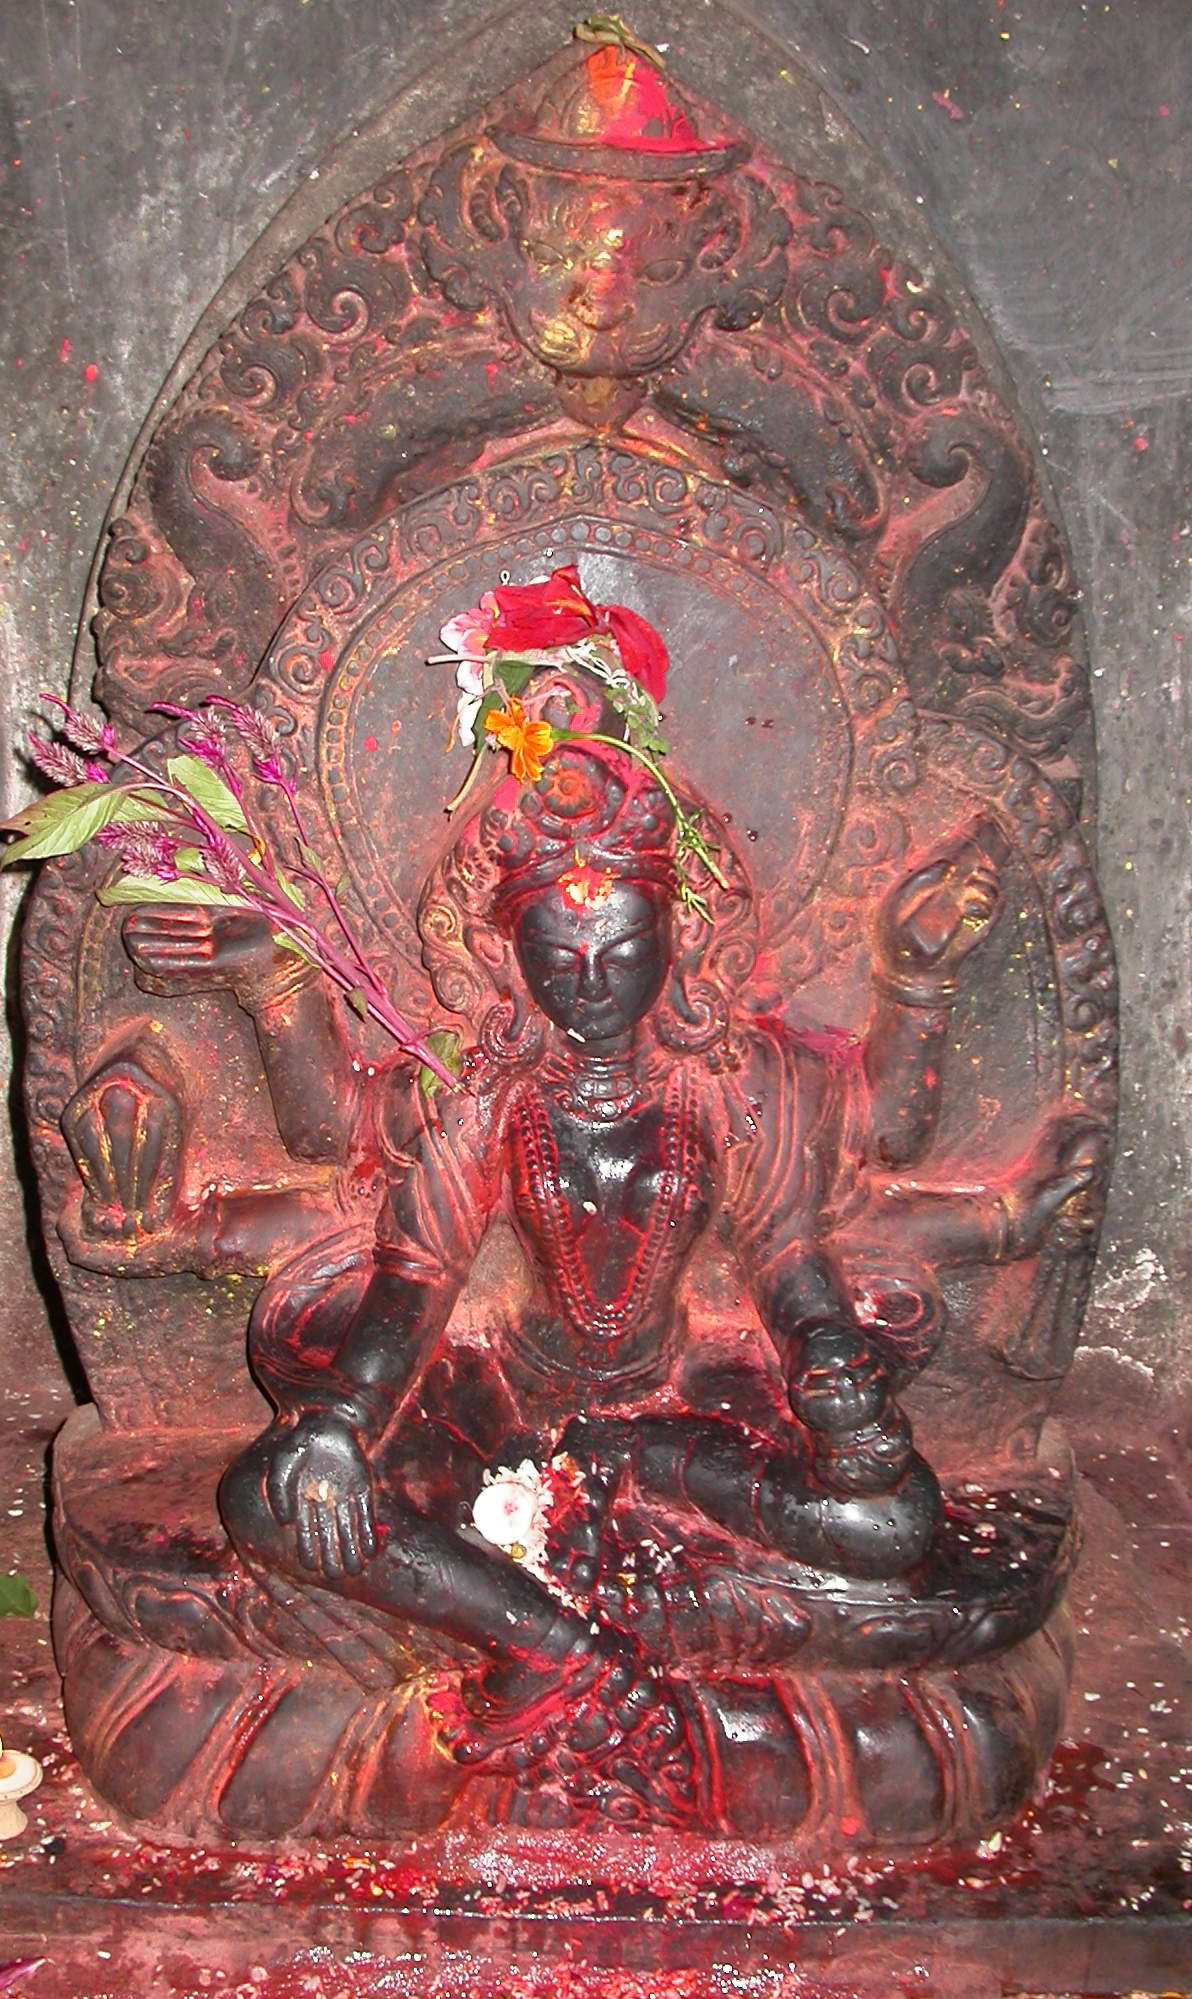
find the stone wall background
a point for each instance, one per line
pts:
(145, 145)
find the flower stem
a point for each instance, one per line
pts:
(269, 901)
(687, 832)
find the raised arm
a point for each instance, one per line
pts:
(927, 926)
(307, 1063)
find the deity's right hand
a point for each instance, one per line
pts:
(930, 921)
(318, 1482)
(185, 948)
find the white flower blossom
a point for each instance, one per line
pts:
(469, 678)
(510, 1511)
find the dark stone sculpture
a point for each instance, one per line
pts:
(734, 1192)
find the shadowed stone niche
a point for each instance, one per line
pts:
(744, 1266)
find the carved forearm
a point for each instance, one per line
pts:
(395, 1326)
(796, 1298)
(904, 1064)
(943, 1225)
(307, 1065)
(836, 1379)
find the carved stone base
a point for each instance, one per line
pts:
(221, 1749)
(201, 1704)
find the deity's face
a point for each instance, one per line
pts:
(610, 281)
(595, 968)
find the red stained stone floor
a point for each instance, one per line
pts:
(1089, 1891)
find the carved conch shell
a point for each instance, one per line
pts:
(124, 1130)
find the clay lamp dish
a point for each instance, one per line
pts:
(19, 1774)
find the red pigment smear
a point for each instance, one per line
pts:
(326, 660)
(945, 103)
(1164, 112)
(370, 742)
(64, 351)
(1140, 443)
(91, 372)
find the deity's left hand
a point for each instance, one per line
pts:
(933, 918)
(1069, 1155)
(318, 1481)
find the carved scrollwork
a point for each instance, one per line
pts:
(760, 313)
(260, 364)
(846, 285)
(752, 532)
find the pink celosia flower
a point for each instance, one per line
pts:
(63, 766)
(92, 737)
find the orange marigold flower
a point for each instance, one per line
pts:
(527, 742)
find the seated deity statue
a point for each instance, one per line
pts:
(550, 1519)
(575, 1277)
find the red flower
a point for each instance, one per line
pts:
(643, 654)
(535, 616)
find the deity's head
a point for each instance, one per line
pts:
(559, 896)
(585, 894)
(596, 966)
(605, 224)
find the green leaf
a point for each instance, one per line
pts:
(16, 1597)
(66, 820)
(491, 704)
(48, 809)
(208, 789)
(188, 860)
(513, 674)
(147, 888)
(342, 887)
(309, 858)
(448, 1046)
(358, 1001)
(291, 889)
(288, 943)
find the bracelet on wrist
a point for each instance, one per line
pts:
(934, 994)
(1004, 1246)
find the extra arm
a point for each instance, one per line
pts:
(927, 926)
(995, 1221)
(308, 1067)
(312, 1084)
(904, 1067)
